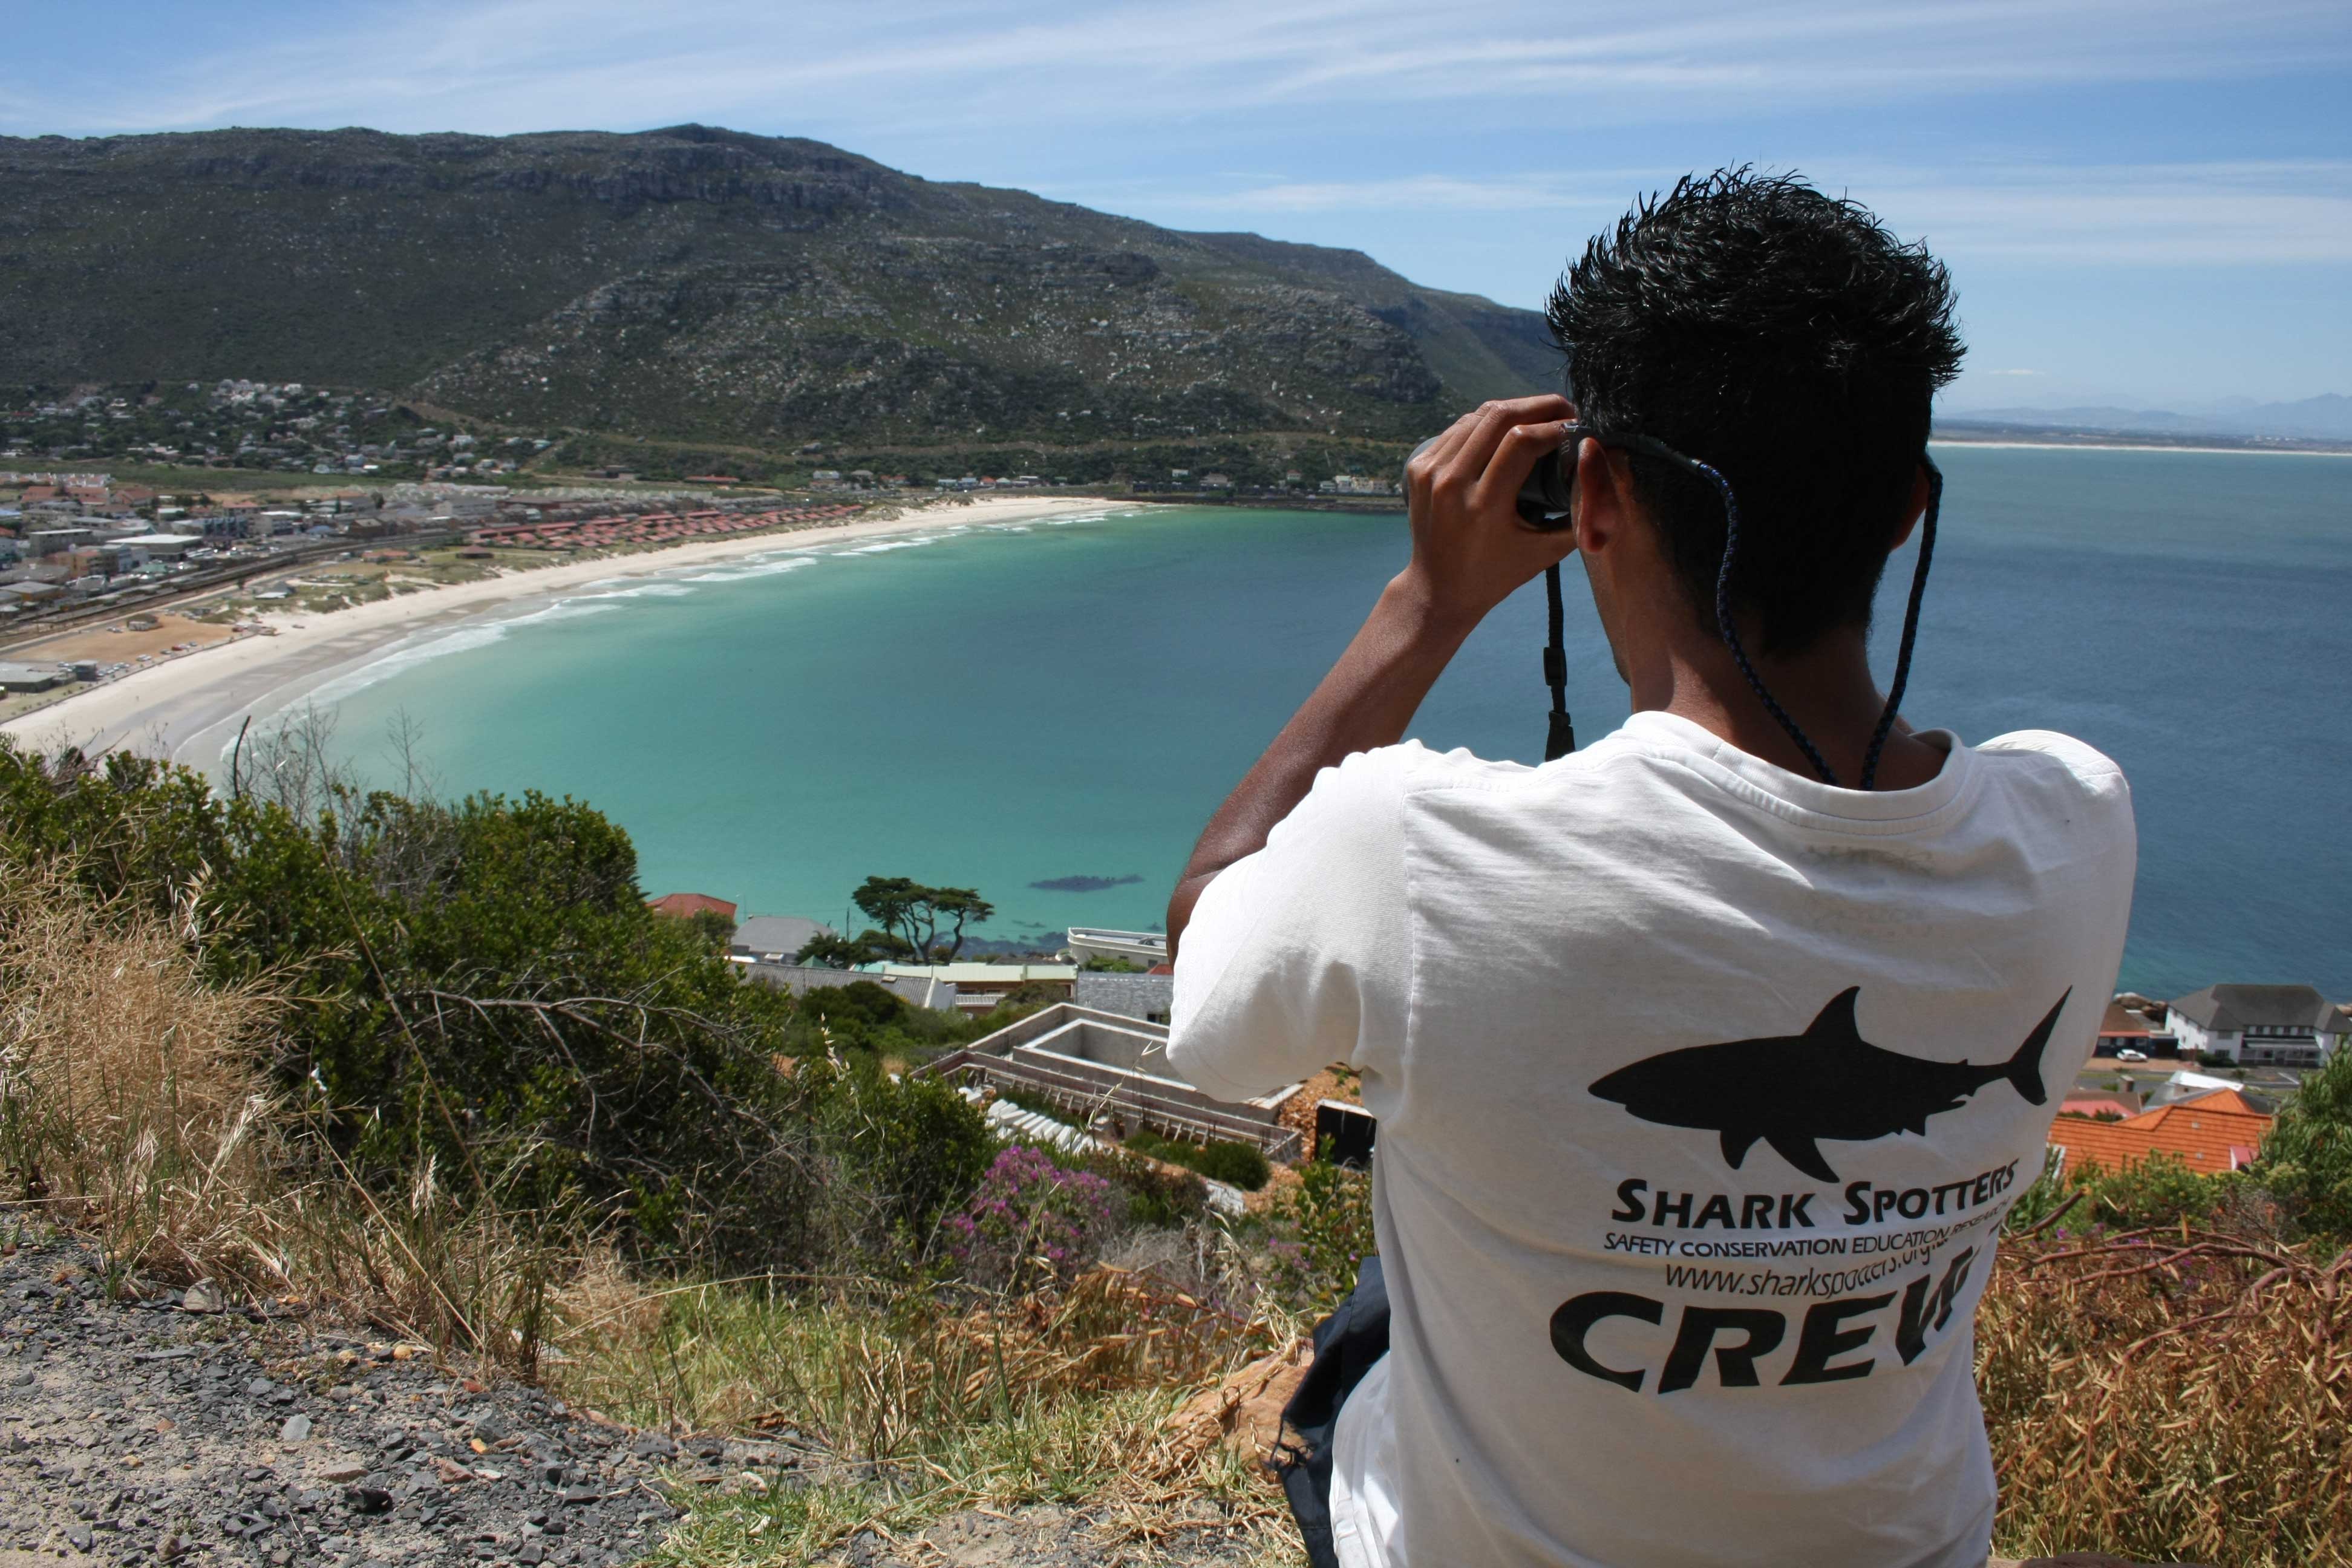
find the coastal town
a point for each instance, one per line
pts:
(2196, 1080)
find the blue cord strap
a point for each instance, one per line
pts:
(1730, 632)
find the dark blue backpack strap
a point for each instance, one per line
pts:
(1346, 1344)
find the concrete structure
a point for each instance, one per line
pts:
(1101, 1065)
(773, 939)
(1144, 947)
(2284, 1026)
(800, 979)
(1147, 997)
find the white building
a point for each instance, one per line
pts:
(160, 546)
(2254, 1026)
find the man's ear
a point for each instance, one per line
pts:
(1603, 496)
(1913, 510)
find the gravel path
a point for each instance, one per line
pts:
(170, 1430)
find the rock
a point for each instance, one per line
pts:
(296, 1429)
(1244, 1410)
(343, 1472)
(204, 1296)
(367, 1499)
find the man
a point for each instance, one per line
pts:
(1708, 1060)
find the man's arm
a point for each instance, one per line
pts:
(1469, 552)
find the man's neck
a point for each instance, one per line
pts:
(1827, 690)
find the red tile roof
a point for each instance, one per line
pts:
(685, 906)
(2211, 1133)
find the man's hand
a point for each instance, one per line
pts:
(1471, 550)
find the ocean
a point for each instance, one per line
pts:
(1048, 712)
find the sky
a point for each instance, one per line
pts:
(2143, 202)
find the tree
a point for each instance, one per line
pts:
(2307, 1158)
(911, 912)
(893, 902)
(961, 905)
(870, 946)
(826, 951)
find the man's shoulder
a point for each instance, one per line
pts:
(2048, 755)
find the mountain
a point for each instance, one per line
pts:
(2327, 417)
(701, 285)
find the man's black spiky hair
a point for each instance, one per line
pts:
(1787, 339)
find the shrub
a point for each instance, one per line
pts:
(2306, 1161)
(1240, 1165)
(1031, 1220)
(1323, 1229)
(478, 988)
(1156, 1197)
(2178, 1396)
(894, 1156)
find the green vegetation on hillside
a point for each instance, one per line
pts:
(729, 292)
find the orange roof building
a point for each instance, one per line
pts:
(2211, 1133)
(686, 906)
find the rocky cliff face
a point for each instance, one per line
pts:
(708, 285)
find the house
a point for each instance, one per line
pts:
(981, 986)
(160, 546)
(1100, 1065)
(686, 906)
(800, 979)
(2280, 1026)
(2108, 1103)
(17, 677)
(2126, 1028)
(2212, 1133)
(773, 939)
(2186, 1085)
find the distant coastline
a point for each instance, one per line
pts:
(168, 707)
(2032, 437)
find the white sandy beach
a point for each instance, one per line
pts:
(170, 709)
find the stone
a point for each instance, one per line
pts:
(367, 1499)
(343, 1472)
(204, 1296)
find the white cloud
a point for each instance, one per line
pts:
(2164, 215)
(940, 66)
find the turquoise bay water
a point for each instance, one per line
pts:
(1008, 706)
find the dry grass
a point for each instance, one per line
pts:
(929, 1402)
(132, 1109)
(2181, 1394)
(129, 1103)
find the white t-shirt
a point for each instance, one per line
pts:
(1702, 1089)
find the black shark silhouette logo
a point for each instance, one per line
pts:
(1791, 1090)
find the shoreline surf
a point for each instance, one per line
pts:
(169, 708)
